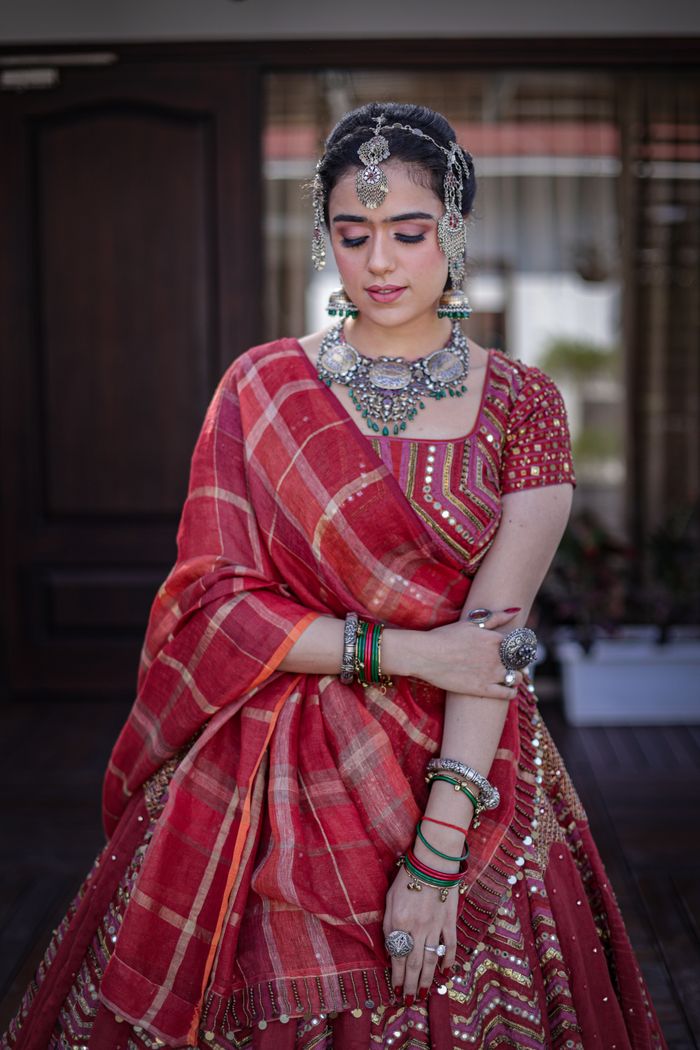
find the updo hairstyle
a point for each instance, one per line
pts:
(426, 162)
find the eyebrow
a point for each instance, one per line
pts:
(405, 217)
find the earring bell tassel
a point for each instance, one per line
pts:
(339, 305)
(454, 304)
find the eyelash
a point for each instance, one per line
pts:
(404, 238)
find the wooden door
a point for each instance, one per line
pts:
(129, 278)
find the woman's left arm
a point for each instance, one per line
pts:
(510, 575)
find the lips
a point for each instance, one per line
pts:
(385, 293)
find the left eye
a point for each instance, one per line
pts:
(410, 238)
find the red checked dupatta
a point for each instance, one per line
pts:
(263, 887)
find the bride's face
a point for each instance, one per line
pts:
(389, 258)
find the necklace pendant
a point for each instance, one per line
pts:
(390, 391)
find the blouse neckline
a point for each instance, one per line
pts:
(407, 437)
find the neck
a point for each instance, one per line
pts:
(411, 340)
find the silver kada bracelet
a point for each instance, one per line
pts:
(489, 796)
(347, 664)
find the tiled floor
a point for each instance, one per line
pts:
(640, 787)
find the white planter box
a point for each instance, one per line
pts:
(626, 682)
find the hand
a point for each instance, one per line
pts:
(429, 921)
(464, 658)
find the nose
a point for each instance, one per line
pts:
(381, 258)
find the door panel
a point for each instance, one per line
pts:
(129, 279)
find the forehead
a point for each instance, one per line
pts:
(405, 192)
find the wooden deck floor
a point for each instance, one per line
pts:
(640, 786)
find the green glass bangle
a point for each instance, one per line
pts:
(448, 882)
(462, 787)
(360, 646)
(445, 856)
(375, 652)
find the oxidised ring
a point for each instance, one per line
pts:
(518, 648)
(399, 943)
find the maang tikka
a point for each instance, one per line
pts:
(372, 185)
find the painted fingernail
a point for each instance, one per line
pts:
(397, 991)
(514, 610)
(409, 999)
(422, 994)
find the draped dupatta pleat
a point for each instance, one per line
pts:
(265, 879)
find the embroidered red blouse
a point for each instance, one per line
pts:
(520, 440)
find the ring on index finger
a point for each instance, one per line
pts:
(509, 678)
(479, 616)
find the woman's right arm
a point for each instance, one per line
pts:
(458, 657)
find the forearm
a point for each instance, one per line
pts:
(319, 649)
(473, 724)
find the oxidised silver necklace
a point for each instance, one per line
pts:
(389, 391)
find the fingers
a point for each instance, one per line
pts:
(414, 970)
(427, 972)
(500, 617)
(449, 939)
(497, 691)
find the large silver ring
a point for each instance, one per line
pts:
(509, 678)
(479, 616)
(518, 648)
(439, 949)
(399, 943)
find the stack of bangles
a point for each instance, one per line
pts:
(422, 875)
(362, 653)
(465, 779)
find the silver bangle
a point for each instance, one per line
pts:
(347, 664)
(489, 796)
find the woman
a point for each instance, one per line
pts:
(331, 685)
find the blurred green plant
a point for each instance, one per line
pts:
(595, 443)
(598, 583)
(579, 360)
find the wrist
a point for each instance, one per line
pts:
(433, 860)
(398, 651)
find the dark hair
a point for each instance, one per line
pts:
(427, 162)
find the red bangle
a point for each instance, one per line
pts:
(371, 627)
(444, 824)
(433, 873)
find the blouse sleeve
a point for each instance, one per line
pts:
(538, 446)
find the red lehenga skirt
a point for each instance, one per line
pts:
(554, 970)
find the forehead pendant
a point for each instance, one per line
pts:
(371, 181)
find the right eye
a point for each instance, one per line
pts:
(352, 242)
